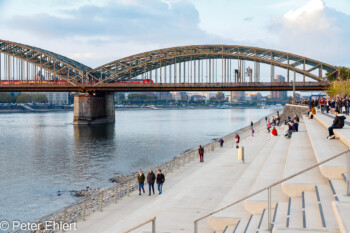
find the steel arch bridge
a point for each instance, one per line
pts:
(179, 68)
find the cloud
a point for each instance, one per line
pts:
(315, 31)
(248, 18)
(96, 34)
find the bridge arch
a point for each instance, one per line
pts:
(43, 60)
(132, 66)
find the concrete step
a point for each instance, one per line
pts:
(241, 187)
(343, 134)
(339, 190)
(242, 224)
(280, 215)
(288, 230)
(324, 148)
(342, 213)
(230, 229)
(269, 174)
(253, 224)
(313, 219)
(325, 205)
(300, 156)
(295, 216)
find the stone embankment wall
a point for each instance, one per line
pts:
(290, 110)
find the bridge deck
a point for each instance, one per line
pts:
(116, 87)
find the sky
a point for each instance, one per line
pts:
(96, 32)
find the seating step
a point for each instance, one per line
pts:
(324, 149)
(300, 156)
(253, 224)
(231, 216)
(342, 213)
(269, 174)
(343, 134)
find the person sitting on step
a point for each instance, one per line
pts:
(338, 123)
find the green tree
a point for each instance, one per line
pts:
(6, 97)
(24, 98)
(39, 98)
(220, 96)
(344, 74)
(141, 98)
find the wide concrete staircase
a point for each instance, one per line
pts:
(313, 201)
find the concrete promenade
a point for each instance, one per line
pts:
(188, 193)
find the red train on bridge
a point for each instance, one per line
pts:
(63, 82)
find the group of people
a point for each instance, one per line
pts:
(341, 104)
(151, 179)
(293, 125)
(275, 121)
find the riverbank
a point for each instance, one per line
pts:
(100, 198)
(184, 196)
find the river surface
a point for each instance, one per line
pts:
(43, 153)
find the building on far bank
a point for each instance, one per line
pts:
(164, 95)
(59, 98)
(279, 95)
(179, 96)
(237, 96)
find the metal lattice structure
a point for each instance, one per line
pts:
(57, 65)
(132, 66)
(178, 68)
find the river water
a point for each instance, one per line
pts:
(43, 153)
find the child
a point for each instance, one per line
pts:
(253, 132)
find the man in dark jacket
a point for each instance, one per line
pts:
(338, 123)
(160, 181)
(141, 180)
(150, 180)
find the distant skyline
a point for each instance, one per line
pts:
(95, 32)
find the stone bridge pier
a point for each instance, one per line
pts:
(94, 108)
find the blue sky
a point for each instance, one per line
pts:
(98, 31)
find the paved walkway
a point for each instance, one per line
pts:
(188, 193)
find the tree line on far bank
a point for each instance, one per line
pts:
(6, 97)
(340, 86)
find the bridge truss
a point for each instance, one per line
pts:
(198, 67)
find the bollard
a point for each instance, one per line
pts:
(195, 227)
(154, 225)
(116, 194)
(84, 210)
(184, 161)
(101, 201)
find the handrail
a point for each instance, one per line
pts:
(153, 220)
(269, 187)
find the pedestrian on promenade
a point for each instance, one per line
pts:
(251, 124)
(221, 142)
(201, 153)
(266, 119)
(268, 126)
(160, 181)
(337, 123)
(237, 140)
(141, 180)
(151, 177)
(253, 131)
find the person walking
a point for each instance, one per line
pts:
(221, 142)
(251, 125)
(338, 123)
(160, 181)
(151, 177)
(237, 140)
(141, 180)
(201, 153)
